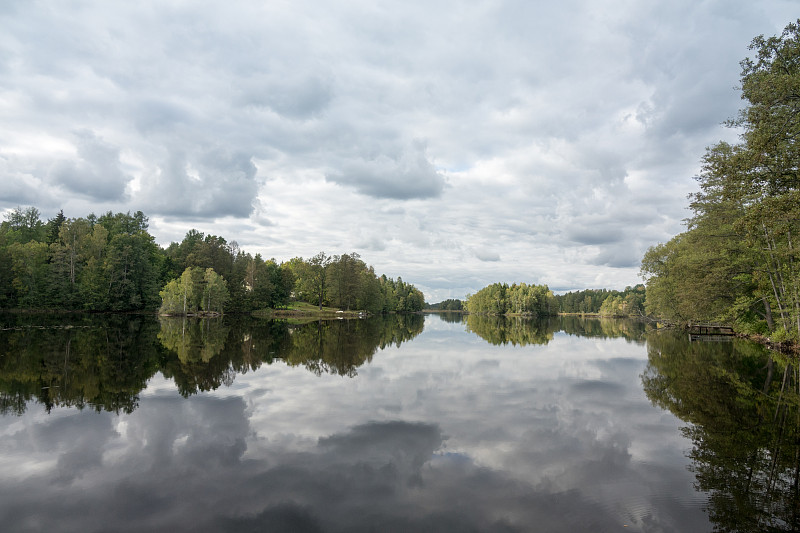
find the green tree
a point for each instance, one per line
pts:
(194, 291)
(311, 278)
(93, 277)
(180, 296)
(30, 269)
(344, 280)
(215, 292)
(738, 260)
(500, 299)
(24, 225)
(54, 227)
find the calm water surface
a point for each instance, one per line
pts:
(390, 424)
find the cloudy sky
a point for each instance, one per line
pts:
(454, 144)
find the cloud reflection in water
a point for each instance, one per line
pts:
(474, 438)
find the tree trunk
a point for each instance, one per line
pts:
(768, 314)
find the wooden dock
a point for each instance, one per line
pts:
(710, 332)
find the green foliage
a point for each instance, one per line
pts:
(522, 299)
(29, 267)
(447, 305)
(23, 225)
(112, 263)
(214, 292)
(311, 277)
(738, 260)
(346, 282)
(196, 290)
(97, 264)
(629, 302)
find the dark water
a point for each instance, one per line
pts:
(390, 424)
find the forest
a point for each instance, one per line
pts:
(738, 262)
(605, 302)
(112, 263)
(516, 299)
(539, 301)
(450, 304)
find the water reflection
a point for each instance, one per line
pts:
(76, 361)
(741, 403)
(520, 331)
(517, 331)
(445, 433)
(193, 339)
(341, 346)
(605, 328)
(451, 317)
(104, 362)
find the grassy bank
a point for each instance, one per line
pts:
(302, 310)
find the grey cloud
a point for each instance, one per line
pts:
(374, 244)
(487, 255)
(213, 183)
(622, 255)
(594, 235)
(281, 518)
(406, 176)
(17, 184)
(191, 465)
(158, 115)
(96, 173)
(301, 100)
(187, 459)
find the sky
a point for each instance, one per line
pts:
(453, 144)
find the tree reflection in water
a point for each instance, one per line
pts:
(105, 361)
(741, 403)
(521, 331)
(341, 346)
(76, 361)
(452, 317)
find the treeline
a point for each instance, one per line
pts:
(112, 263)
(739, 259)
(450, 304)
(346, 282)
(629, 302)
(106, 263)
(538, 300)
(519, 299)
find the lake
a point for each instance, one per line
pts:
(402, 423)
